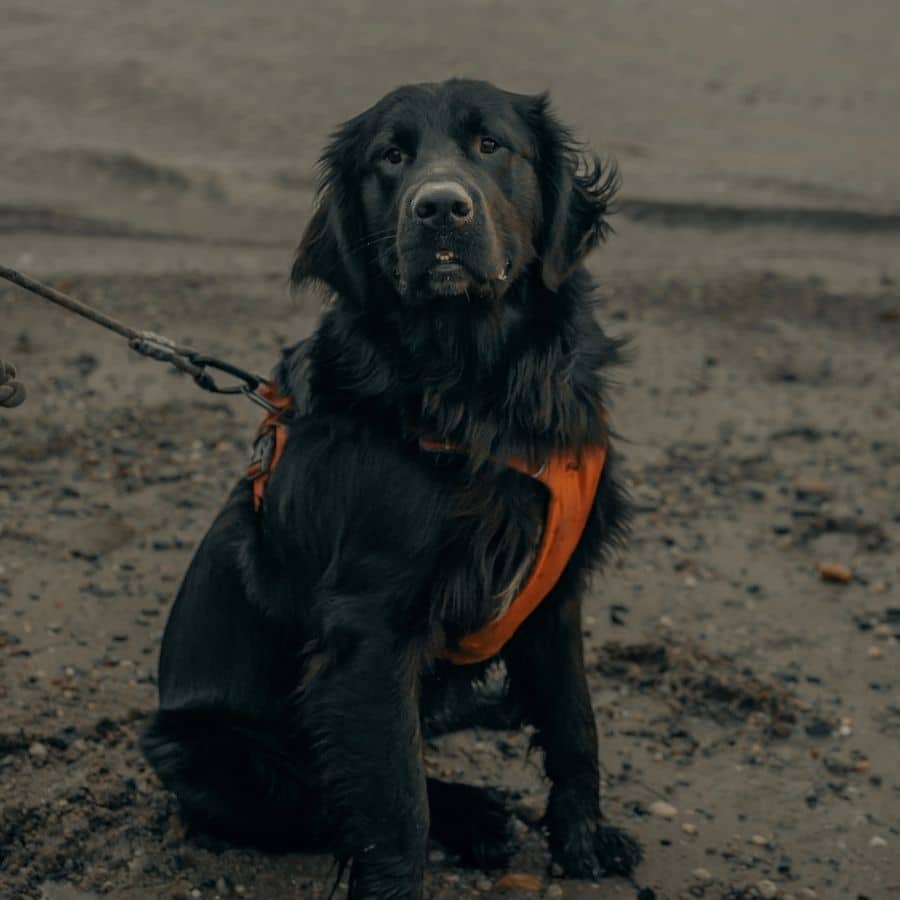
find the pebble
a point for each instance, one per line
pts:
(518, 882)
(554, 891)
(875, 652)
(835, 571)
(807, 894)
(702, 874)
(878, 841)
(812, 487)
(483, 884)
(662, 809)
(689, 828)
(38, 751)
(759, 840)
(768, 890)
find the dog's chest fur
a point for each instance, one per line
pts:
(488, 518)
(493, 528)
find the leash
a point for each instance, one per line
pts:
(147, 343)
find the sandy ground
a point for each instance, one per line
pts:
(158, 163)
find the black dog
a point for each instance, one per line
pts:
(307, 652)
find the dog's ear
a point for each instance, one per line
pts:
(330, 250)
(576, 195)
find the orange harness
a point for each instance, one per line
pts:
(571, 479)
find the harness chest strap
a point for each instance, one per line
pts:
(571, 479)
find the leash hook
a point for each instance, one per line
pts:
(251, 380)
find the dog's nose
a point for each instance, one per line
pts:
(442, 204)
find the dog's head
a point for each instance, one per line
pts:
(452, 190)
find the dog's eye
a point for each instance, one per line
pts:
(393, 155)
(488, 145)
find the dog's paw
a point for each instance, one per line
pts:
(478, 826)
(592, 853)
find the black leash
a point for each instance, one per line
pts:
(147, 343)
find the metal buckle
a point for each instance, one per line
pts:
(261, 454)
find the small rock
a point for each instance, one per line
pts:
(516, 881)
(835, 571)
(437, 856)
(759, 840)
(222, 887)
(689, 828)
(768, 890)
(807, 894)
(554, 891)
(662, 809)
(531, 809)
(818, 729)
(702, 874)
(875, 652)
(878, 841)
(38, 751)
(812, 487)
(483, 884)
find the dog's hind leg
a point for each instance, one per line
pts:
(472, 821)
(237, 780)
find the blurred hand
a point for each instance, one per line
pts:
(12, 392)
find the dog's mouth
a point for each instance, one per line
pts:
(446, 262)
(446, 272)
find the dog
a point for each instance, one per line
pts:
(361, 594)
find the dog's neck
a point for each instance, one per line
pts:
(522, 379)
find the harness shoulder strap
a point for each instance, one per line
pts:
(271, 438)
(572, 481)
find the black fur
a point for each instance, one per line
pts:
(299, 666)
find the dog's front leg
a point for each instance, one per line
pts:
(360, 707)
(545, 660)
